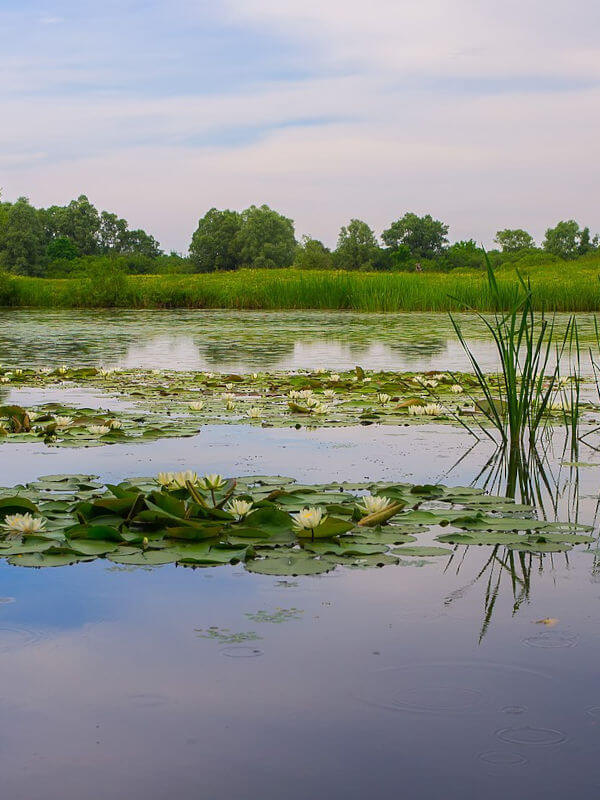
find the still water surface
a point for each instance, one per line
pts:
(398, 681)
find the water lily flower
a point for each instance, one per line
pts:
(440, 377)
(33, 415)
(18, 372)
(229, 386)
(98, 430)
(373, 505)
(180, 479)
(428, 410)
(255, 413)
(4, 379)
(212, 482)
(165, 478)
(329, 393)
(457, 388)
(254, 376)
(23, 523)
(431, 383)
(309, 518)
(62, 370)
(334, 377)
(383, 398)
(114, 424)
(196, 406)
(239, 508)
(320, 371)
(228, 396)
(229, 405)
(319, 409)
(63, 422)
(367, 380)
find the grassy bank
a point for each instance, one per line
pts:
(557, 287)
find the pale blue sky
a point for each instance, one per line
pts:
(483, 113)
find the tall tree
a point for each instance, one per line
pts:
(312, 254)
(22, 240)
(79, 221)
(357, 246)
(511, 240)
(568, 240)
(266, 238)
(215, 244)
(424, 236)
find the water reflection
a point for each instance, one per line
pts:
(246, 340)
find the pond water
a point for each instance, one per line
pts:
(249, 341)
(426, 679)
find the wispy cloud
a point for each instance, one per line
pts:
(482, 113)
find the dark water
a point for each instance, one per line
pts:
(395, 681)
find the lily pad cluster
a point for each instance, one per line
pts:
(63, 425)
(174, 400)
(271, 525)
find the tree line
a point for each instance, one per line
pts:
(64, 240)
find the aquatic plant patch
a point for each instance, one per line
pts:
(177, 403)
(271, 524)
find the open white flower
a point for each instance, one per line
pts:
(329, 393)
(114, 424)
(63, 422)
(255, 413)
(209, 375)
(228, 396)
(428, 410)
(456, 388)
(180, 479)
(239, 508)
(197, 405)
(229, 386)
(212, 482)
(383, 398)
(99, 430)
(431, 384)
(18, 372)
(165, 478)
(440, 377)
(23, 523)
(229, 405)
(308, 519)
(4, 379)
(373, 505)
(61, 370)
(334, 377)
(254, 376)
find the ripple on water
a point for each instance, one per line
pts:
(241, 652)
(451, 688)
(498, 758)
(593, 711)
(15, 638)
(528, 735)
(552, 640)
(7, 600)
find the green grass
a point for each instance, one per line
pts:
(556, 287)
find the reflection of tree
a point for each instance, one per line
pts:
(414, 350)
(260, 354)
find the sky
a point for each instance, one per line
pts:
(484, 113)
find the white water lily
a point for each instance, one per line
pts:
(165, 478)
(255, 413)
(320, 371)
(18, 372)
(23, 523)
(212, 482)
(367, 380)
(228, 396)
(309, 518)
(239, 508)
(209, 375)
(114, 424)
(334, 377)
(440, 377)
(98, 430)
(229, 405)
(428, 410)
(229, 386)
(373, 505)
(560, 404)
(319, 409)
(61, 370)
(4, 379)
(197, 405)
(63, 422)
(456, 388)
(181, 479)
(329, 393)
(383, 398)
(312, 402)
(33, 415)
(431, 384)
(254, 376)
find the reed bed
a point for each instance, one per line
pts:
(556, 287)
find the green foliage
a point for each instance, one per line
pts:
(266, 239)
(215, 245)
(21, 238)
(567, 240)
(514, 240)
(312, 254)
(424, 236)
(463, 255)
(62, 249)
(357, 247)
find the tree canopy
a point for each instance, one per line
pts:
(424, 236)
